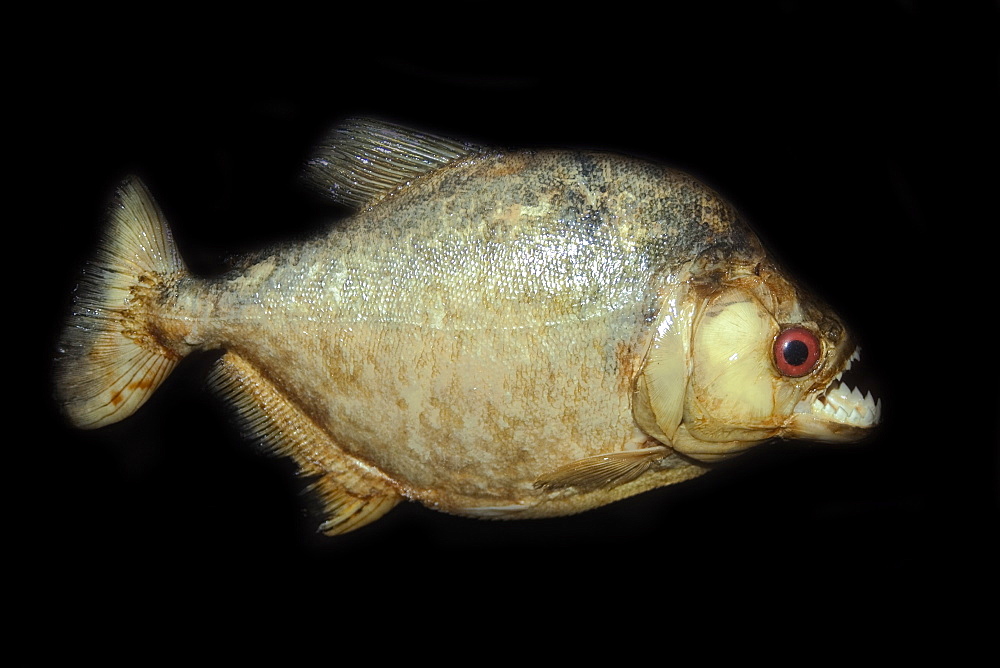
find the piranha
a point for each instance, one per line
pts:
(491, 333)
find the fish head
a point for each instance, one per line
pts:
(749, 356)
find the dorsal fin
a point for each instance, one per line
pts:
(362, 160)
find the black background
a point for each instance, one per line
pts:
(862, 145)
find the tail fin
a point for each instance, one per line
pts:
(106, 368)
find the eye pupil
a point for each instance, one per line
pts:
(796, 353)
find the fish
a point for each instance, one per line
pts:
(492, 333)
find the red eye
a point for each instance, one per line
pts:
(796, 351)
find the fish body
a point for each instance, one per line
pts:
(492, 333)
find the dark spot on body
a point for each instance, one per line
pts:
(626, 364)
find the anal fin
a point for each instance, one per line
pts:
(352, 493)
(603, 471)
(346, 509)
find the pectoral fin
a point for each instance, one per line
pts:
(603, 471)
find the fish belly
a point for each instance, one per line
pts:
(478, 414)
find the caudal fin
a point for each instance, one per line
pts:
(107, 364)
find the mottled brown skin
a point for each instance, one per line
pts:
(477, 329)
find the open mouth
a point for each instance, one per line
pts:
(844, 401)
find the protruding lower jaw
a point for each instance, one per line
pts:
(839, 412)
